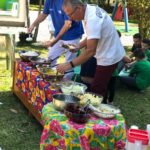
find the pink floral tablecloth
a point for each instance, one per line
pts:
(31, 84)
(59, 133)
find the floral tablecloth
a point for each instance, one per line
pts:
(32, 85)
(59, 133)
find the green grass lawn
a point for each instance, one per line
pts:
(132, 28)
(18, 129)
(34, 7)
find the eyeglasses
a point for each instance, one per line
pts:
(72, 13)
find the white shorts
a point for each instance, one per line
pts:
(50, 24)
(57, 50)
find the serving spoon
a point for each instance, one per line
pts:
(29, 39)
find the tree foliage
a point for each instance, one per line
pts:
(141, 12)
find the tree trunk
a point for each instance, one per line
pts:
(37, 28)
(108, 3)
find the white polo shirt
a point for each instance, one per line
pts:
(98, 25)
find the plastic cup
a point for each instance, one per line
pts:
(134, 127)
(138, 145)
(148, 130)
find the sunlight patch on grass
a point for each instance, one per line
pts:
(34, 7)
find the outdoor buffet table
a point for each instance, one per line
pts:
(30, 88)
(97, 134)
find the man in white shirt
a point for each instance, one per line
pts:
(102, 42)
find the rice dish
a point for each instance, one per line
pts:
(95, 100)
(73, 89)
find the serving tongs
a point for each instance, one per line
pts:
(86, 107)
(29, 38)
(94, 109)
(73, 82)
(51, 60)
(56, 77)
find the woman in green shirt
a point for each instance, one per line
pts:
(139, 76)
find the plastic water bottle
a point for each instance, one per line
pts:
(131, 127)
(148, 130)
(138, 145)
(134, 127)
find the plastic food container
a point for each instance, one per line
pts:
(49, 73)
(105, 111)
(27, 55)
(137, 139)
(75, 88)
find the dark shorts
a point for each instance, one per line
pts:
(88, 68)
(101, 79)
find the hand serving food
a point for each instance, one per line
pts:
(63, 67)
(72, 48)
(48, 43)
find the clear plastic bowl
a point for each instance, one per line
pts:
(71, 87)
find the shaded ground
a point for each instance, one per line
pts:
(18, 130)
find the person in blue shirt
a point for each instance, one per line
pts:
(66, 32)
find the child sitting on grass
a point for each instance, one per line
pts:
(139, 75)
(146, 48)
(137, 38)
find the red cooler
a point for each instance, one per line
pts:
(137, 139)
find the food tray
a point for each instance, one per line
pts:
(71, 87)
(95, 99)
(39, 61)
(27, 55)
(105, 111)
(48, 72)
